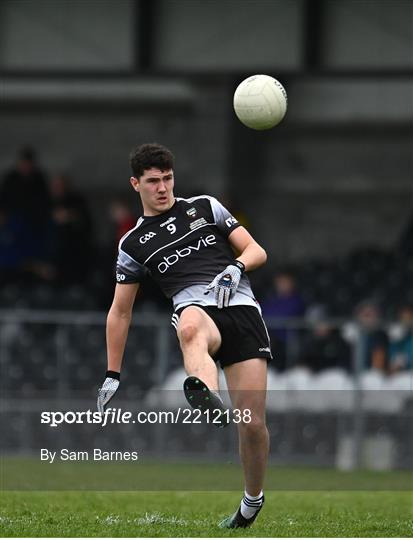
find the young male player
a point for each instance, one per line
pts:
(188, 246)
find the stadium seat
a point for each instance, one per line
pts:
(297, 385)
(372, 380)
(332, 390)
(402, 381)
(398, 390)
(277, 391)
(298, 378)
(169, 395)
(377, 395)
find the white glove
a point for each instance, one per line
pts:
(226, 283)
(106, 393)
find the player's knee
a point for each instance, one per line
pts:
(188, 333)
(253, 425)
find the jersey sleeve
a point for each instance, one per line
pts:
(224, 220)
(128, 270)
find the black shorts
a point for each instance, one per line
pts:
(243, 333)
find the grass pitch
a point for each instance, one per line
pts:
(196, 514)
(299, 502)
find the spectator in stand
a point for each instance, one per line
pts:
(405, 243)
(24, 191)
(375, 339)
(25, 208)
(13, 233)
(122, 218)
(284, 302)
(73, 231)
(401, 350)
(325, 348)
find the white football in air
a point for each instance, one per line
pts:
(260, 102)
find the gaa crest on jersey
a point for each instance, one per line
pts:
(191, 212)
(143, 239)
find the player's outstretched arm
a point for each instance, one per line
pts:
(117, 327)
(117, 324)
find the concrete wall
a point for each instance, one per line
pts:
(308, 187)
(335, 175)
(90, 137)
(86, 35)
(200, 36)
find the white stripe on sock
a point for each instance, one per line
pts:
(250, 504)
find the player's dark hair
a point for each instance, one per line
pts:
(150, 155)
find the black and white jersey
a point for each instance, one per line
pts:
(182, 249)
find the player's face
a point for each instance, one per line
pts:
(156, 190)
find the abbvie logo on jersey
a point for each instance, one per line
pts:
(170, 260)
(143, 239)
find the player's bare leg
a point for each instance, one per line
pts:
(247, 382)
(199, 339)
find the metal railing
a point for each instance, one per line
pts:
(50, 359)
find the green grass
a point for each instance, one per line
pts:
(195, 514)
(31, 474)
(299, 501)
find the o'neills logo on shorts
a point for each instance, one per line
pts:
(170, 260)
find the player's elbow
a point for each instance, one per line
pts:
(119, 312)
(261, 255)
